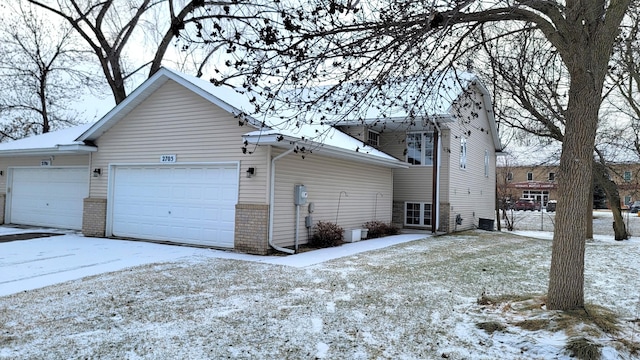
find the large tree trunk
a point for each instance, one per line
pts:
(585, 47)
(566, 276)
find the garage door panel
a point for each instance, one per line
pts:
(189, 204)
(48, 196)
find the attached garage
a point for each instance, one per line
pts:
(192, 204)
(47, 196)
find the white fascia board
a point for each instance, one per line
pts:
(287, 142)
(57, 150)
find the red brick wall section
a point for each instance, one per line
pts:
(94, 217)
(252, 229)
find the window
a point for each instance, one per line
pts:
(486, 163)
(627, 176)
(463, 153)
(418, 214)
(552, 176)
(627, 199)
(373, 138)
(420, 148)
(510, 176)
(529, 176)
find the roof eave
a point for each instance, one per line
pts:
(282, 141)
(74, 149)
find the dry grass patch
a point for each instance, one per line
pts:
(491, 326)
(583, 327)
(583, 349)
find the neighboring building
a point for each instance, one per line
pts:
(171, 163)
(532, 174)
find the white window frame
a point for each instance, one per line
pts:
(426, 149)
(425, 210)
(463, 153)
(627, 176)
(627, 199)
(373, 138)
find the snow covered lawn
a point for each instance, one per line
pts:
(412, 300)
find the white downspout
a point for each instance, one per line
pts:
(272, 196)
(438, 159)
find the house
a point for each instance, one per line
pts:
(450, 148)
(181, 160)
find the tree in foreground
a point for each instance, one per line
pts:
(347, 44)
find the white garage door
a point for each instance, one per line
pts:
(48, 196)
(187, 204)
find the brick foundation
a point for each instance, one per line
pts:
(445, 212)
(94, 217)
(252, 229)
(397, 214)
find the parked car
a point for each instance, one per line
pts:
(633, 208)
(526, 204)
(551, 205)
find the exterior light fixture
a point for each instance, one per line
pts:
(251, 171)
(97, 172)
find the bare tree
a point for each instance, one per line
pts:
(115, 31)
(343, 42)
(41, 74)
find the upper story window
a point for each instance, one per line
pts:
(420, 148)
(373, 138)
(509, 176)
(627, 176)
(552, 176)
(463, 153)
(529, 176)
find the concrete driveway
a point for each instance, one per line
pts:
(38, 262)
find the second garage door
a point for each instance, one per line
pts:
(187, 204)
(48, 196)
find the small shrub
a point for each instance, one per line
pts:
(326, 234)
(379, 229)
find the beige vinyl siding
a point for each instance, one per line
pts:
(174, 120)
(471, 193)
(34, 161)
(324, 179)
(359, 132)
(393, 143)
(413, 184)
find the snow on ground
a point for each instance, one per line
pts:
(410, 300)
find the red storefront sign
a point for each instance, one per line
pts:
(538, 185)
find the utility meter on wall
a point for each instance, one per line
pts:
(300, 195)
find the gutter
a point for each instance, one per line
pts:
(272, 196)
